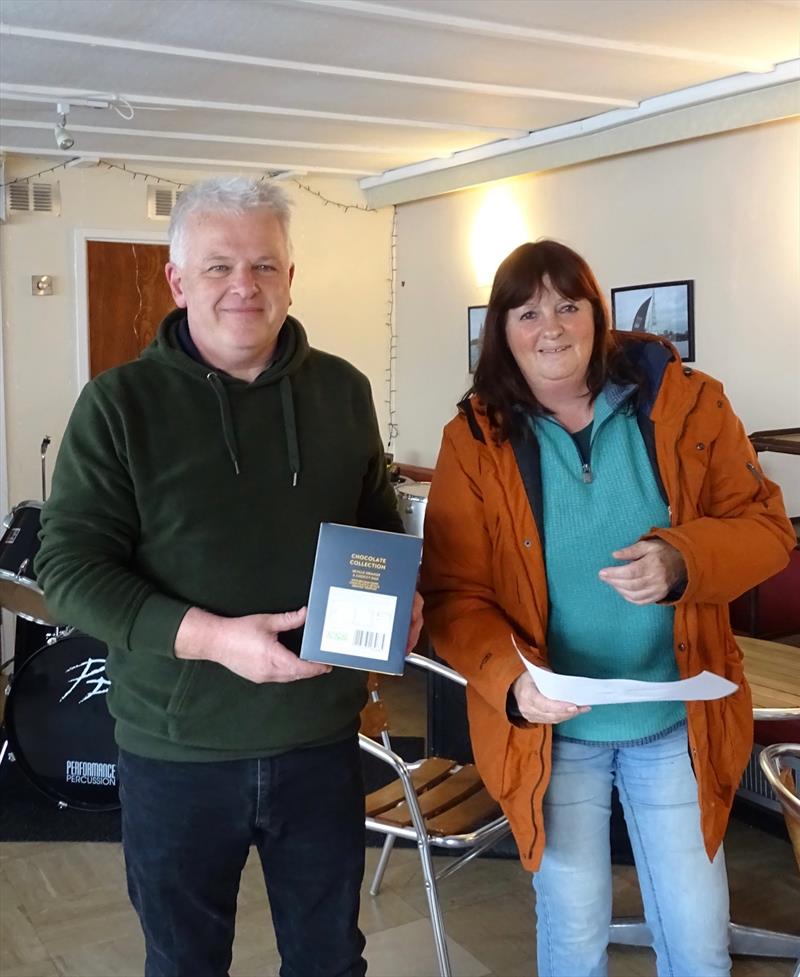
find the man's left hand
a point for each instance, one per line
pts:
(416, 623)
(655, 569)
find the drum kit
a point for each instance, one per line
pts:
(56, 724)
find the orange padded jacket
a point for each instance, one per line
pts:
(483, 578)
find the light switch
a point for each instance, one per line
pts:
(41, 284)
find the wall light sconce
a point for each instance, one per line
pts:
(498, 228)
(42, 284)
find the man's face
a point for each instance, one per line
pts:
(235, 286)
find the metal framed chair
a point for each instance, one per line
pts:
(783, 782)
(434, 802)
(746, 940)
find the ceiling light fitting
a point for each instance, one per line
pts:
(64, 138)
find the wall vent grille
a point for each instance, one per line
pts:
(160, 201)
(30, 197)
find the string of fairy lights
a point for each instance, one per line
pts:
(390, 322)
(391, 325)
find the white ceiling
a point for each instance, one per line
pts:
(356, 88)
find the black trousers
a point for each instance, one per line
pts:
(187, 830)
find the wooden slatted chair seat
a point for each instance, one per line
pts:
(452, 799)
(431, 772)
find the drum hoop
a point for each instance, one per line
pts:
(414, 496)
(31, 585)
(30, 774)
(28, 582)
(27, 504)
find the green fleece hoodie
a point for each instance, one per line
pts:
(178, 485)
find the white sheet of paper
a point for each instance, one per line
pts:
(603, 691)
(358, 623)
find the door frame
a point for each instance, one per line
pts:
(82, 236)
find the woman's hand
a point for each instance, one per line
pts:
(537, 708)
(655, 569)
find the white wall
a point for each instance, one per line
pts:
(722, 210)
(340, 293)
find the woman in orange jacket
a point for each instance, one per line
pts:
(601, 504)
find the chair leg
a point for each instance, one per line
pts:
(383, 861)
(747, 941)
(434, 908)
(629, 931)
(752, 942)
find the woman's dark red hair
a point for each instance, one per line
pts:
(498, 381)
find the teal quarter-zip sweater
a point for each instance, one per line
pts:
(178, 485)
(594, 505)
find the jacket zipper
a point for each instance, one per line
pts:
(533, 797)
(762, 491)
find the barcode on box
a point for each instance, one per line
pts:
(370, 639)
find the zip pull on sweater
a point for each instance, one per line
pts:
(228, 431)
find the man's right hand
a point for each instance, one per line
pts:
(537, 708)
(247, 646)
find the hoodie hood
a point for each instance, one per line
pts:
(174, 347)
(290, 352)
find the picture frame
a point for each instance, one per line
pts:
(476, 314)
(662, 308)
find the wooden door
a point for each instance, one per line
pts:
(128, 298)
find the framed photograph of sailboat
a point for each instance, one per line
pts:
(663, 308)
(475, 316)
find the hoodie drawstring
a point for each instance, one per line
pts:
(289, 427)
(228, 431)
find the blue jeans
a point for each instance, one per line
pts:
(685, 895)
(187, 830)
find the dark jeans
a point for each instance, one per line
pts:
(187, 830)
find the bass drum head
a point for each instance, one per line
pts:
(59, 726)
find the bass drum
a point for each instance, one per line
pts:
(19, 592)
(59, 727)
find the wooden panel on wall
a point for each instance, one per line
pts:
(128, 298)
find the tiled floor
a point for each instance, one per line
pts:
(65, 912)
(64, 909)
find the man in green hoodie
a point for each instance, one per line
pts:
(181, 530)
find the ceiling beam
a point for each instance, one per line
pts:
(362, 74)
(189, 161)
(577, 143)
(517, 32)
(43, 93)
(381, 148)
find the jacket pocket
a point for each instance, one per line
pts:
(761, 490)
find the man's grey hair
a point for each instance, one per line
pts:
(230, 195)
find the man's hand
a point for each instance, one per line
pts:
(247, 646)
(537, 708)
(416, 623)
(655, 569)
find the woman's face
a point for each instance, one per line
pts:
(551, 338)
